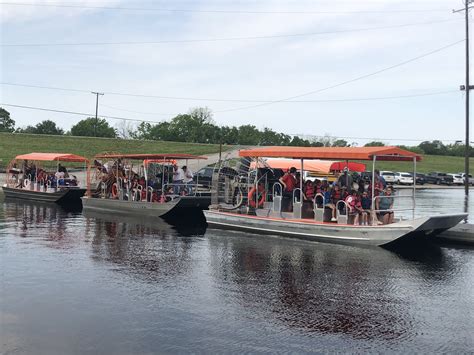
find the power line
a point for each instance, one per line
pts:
(225, 100)
(146, 113)
(315, 101)
(75, 113)
(291, 35)
(300, 12)
(347, 81)
(147, 121)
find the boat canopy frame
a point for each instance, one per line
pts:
(44, 157)
(146, 159)
(386, 153)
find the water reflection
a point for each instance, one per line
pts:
(159, 288)
(316, 287)
(150, 248)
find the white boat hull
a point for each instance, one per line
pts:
(331, 232)
(148, 209)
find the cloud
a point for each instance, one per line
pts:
(246, 69)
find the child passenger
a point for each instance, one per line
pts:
(355, 207)
(328, 201)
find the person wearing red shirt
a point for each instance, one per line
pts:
(289, 183)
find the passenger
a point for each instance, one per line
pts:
(288, 182)
(378, 187)
(298, 179)
(178, 179)
(355, 207)
(385, 205)
(380, 177)
(324, 185)
(309, 190)
(345, 181)
(59, 175)
(63, 170)
(317, 186)
(361, 187)
(366, 204)
(188, 180)
(328, 201)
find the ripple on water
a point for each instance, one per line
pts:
(75, 283)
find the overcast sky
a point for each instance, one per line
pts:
(269, 69)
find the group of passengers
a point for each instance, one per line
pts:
(357, 197)
(170, 180)
(42, 178)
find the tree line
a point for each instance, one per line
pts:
(197, 126)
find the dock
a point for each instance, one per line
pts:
(462, 233)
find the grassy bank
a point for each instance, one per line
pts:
(428, 164)
(14, 144)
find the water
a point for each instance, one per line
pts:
(102, 284)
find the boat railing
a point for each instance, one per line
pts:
(277, 195)
(137, 193)
(297, 203)
(342, 218)
(180, 189)
(394, 197)
(103, 189)
(319, 211)
(149, 192)
(27, 183)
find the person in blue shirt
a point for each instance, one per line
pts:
(327, 192)
(385, 205)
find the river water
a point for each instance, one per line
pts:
(88, 284)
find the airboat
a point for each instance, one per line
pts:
(254, 201)
(142, 184)
(41, 177)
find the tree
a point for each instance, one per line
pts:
(91, 127)
(229, 135)
(299, 142)
(340, 143)
(416, 150)
(435, 147)
(44, 127)
(7, 124)
(270, 137)
(374, 144)
(125, 130)
(249, 135)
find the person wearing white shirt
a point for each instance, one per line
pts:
(59, 175)
(188, 179)
(178, 179)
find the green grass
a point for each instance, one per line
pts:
(12, 145)
(429, 163)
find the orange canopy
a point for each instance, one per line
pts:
(51, 157)
(319, 166)
(149, 156)
(335, 153)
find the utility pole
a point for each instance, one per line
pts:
(96, 109)
(467, 87)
